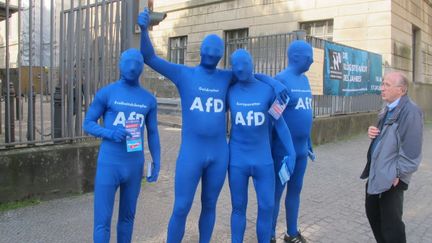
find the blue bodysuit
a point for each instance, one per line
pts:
(250, 152)
(203, 152)
(118, 104)
(298, 116)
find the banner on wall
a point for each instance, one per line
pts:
(349, 71)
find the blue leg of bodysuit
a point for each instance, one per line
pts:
(188, 173)
(129, 191)
(239, 183)
(263, 179)
(292, 198)
(212, 182)
(109, 178)
(106, 184)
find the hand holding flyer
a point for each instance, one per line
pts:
(134, 142)
(284, 173)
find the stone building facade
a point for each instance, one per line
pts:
(399, 30)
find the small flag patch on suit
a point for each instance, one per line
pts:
(277, 109)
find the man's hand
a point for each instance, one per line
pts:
(311, 155)
(395, 182)
(373, 132)
(119, 134)
(154, 172)
(282, 94)
(144, 19)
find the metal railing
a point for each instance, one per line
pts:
(269, 54)
(57, 54)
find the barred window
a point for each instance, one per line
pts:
(235, 39)
(322, 29)
(177, 49)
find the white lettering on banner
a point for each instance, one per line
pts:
(258, 118)
(305, 105)
(217, 105)
(121, 118)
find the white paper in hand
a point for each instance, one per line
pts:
(149, 168)
(284, 174)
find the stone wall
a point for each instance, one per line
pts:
(422, 94)
(48, 171)
(334, 128)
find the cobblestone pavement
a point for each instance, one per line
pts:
(331, 210)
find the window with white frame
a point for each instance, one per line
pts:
(322, 28)
(177, 49)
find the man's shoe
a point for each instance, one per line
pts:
(297, 239)
(273, 240)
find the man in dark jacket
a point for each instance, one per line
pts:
(394, 155)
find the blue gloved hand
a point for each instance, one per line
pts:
(154, 172)
(118, 135)
(144, 19)
(311, 155)
(282, 93)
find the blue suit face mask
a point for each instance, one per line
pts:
(300, 56)
(242, 65)
(131, 66)
(212, 49)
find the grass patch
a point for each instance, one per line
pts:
(144, 181)
(20, 204)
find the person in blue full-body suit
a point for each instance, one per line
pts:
(119, 104)
(250, 152)
(203, 151)
(299, 117)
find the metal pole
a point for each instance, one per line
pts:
(127, 25)
(10, 92)
(117, 38)
(9, 118)
(50, 80)
(19, 101)
(110, 43)
(96, 48)
(41, 77)
(78, 88)
(30, 123)
(70, 72)
(103, 34)
(87, 62)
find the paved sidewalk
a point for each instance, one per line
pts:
(331, 211)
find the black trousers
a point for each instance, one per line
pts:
(384, 212)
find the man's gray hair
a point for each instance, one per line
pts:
(401, 80)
